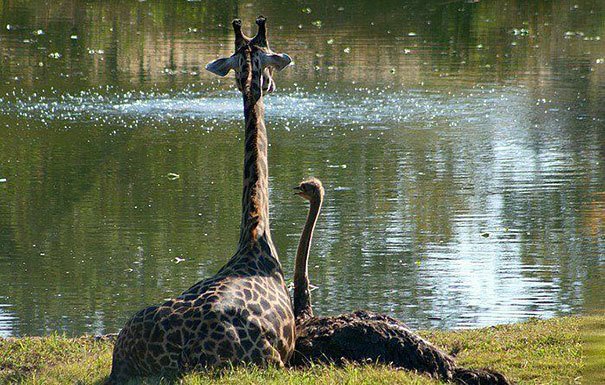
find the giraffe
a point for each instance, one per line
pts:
(364, 336)
(243, 314)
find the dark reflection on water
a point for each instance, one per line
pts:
(462, 147)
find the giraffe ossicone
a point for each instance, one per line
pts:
(255, 51)
(242, 314)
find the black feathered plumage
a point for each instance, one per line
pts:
(365, 337)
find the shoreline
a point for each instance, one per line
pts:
(564, 350)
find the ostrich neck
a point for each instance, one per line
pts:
(302, 295)
(255, 197)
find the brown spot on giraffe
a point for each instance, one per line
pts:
(238, 315)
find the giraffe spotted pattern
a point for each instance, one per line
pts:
(236, 316)
(243, 314)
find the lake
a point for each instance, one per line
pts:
(461, 145)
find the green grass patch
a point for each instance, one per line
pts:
(568, 350)
(593, 342)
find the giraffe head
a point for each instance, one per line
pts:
(253, 61)
(310, 189)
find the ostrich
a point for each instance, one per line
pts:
(364, 336)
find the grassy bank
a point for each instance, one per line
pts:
(592, 330)
(566, 350)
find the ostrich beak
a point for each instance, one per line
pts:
(299, 190)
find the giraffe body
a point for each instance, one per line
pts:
(235, 317)
(243, 314)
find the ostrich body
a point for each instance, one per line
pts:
(364, 336)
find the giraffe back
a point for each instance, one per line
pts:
(241, 315)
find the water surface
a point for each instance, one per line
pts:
(461, 144)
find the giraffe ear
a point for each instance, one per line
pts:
(279, 61)
(222, 66)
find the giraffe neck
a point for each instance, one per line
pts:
(302, 294)
(255, 198)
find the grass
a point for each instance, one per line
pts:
(593, 338)
(569, 350)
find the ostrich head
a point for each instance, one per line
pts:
(253, 61)
(310, 189)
